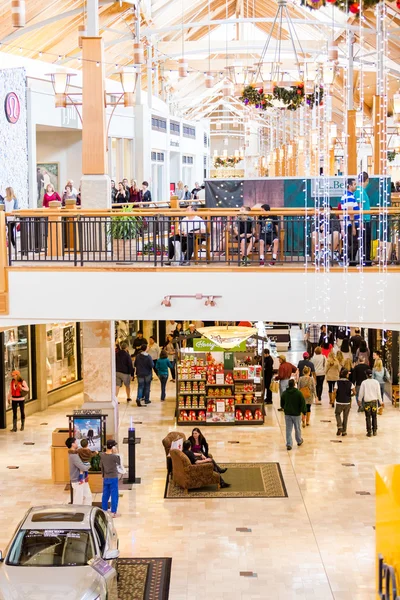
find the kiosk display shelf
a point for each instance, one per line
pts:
(219, 388)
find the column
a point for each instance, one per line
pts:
(41, 365)
(351, 143)
(142, 143)
(98, 371)
(96, 185)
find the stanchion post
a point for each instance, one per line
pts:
(132, 440)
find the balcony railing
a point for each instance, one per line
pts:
(222, 238)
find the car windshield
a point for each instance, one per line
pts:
(51, 548)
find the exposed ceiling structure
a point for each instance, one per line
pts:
(217, 36)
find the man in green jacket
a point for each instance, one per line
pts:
(293, 404)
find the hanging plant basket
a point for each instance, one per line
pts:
(291, 97)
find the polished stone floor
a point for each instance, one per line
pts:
(316, 544)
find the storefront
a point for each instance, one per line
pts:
(49, 360)
(61, 354)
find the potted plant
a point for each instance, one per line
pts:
(122, 229)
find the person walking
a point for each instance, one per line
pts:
(18, 392)
(268, 374)
(359, 375)
(171, 350)
(345, 390)
(370, 395)
(312, 337)
(285, 371)
(306, 386)
(305, 362)
(144, 368)
(319, 362)
(162, 366)
(355, 342)
(109, 462)
(363, 352)
(381, 374)
(332, 374)
(350, 222)
(81, 492)
(124, 370)
(293, 405)
(154, 351)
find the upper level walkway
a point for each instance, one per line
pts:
(81, 265)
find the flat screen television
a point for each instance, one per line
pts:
(92, 428)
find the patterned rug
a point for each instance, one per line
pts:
(248, 480)
(144, 578)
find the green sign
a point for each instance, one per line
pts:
(228, 361)
(205, 345)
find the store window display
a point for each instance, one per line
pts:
(61, 357)
(17, 357)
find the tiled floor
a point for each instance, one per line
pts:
(316, 544)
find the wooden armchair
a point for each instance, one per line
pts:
(189, 476)
(167, 441)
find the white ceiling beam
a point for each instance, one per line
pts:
(42, 23)
(254, 20)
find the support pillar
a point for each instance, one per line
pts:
(142, 143)
(96, 185)
(98, 371)
(351, 143)
(332, 162)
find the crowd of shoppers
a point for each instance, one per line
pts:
(349, 370)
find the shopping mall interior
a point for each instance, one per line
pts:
(199, 283)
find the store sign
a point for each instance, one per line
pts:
(328, 186)
(387, 588)
(12, 108)
(204, 345)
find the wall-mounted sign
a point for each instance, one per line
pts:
(12, 107)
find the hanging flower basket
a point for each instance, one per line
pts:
(226, 161)
(290, 98)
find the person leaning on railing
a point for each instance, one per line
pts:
(188, 227)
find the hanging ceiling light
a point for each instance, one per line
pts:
(227, 88)
(182, 68)
(209, 80)
(328, 73)
(276, 74)
(138, 53)
(81, 34)
(18, 13)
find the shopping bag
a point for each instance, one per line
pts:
(274, 387)
(374, 249)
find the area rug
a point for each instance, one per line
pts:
(144, 578)
(248, 480)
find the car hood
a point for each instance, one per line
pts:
(49, 583)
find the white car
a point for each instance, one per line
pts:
(80, 543)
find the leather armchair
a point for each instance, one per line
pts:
(189, 476)
(167, 441)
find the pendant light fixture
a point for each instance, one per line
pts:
(18, 17)
(138, 54)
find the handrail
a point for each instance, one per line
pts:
(206, 212)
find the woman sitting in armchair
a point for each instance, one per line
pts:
(200, 458)
(200, 448)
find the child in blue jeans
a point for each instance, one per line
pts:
(85, 455)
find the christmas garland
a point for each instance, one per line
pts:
(227, 161)
(391, 155)
(292, 97)
(352, 6)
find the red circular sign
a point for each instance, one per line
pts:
(12, 107)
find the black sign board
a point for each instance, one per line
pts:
(68, 338)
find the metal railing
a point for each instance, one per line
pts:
(209, 237)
